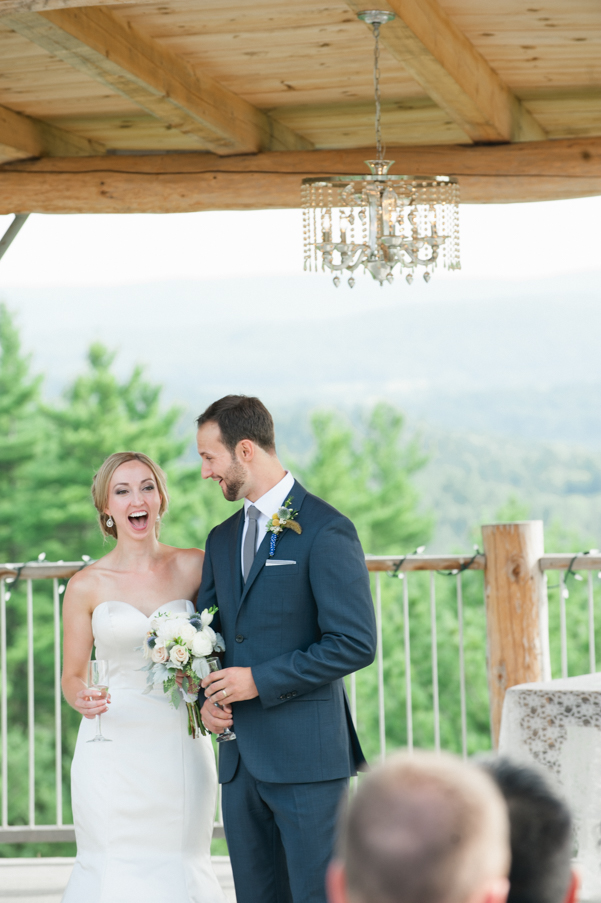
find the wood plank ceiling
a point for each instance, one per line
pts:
(286, 89)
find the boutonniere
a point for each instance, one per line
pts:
(282, 519)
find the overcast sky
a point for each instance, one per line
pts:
(498, 241)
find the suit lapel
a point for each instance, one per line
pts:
(297, 494)
(236, 555)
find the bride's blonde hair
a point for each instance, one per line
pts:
(102, 481)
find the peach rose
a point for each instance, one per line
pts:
(159, 655)
(179, 655)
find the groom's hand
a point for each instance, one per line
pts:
(216, 719)
(230, 685)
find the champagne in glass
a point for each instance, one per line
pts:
(98, 679)
(215, 665)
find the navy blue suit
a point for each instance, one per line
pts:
(301, 627)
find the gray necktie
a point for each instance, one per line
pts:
(250, 541)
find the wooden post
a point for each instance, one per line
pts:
(516, 611)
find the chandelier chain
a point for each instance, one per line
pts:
(379, 148)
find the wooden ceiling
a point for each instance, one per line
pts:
(222, 104)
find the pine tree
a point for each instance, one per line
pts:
(98, 415)
(19, 430)
(366, 474)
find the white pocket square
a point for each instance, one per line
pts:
(271, 562)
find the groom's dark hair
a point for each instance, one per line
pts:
(241, 417)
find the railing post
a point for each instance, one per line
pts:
(516, 611)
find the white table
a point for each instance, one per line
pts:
(557, 725)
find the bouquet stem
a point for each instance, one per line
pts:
(195, 726)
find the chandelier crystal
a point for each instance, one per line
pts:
(384, 223)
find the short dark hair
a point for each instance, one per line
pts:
(241, 417)
(540, 828)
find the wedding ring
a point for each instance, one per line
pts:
(224, 693)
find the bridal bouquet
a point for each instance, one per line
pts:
(180, 642)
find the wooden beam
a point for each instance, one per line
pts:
(402, 563)
(11, 233)
(171, 183)
(8, 7)
(22, 136)
(104, 46)
(562, 561)
(516, 611)
(455, 75)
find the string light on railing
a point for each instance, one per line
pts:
(397, 568)
(464, 567)
(41, 556)
(570, 572)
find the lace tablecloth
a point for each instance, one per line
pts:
(557, 726)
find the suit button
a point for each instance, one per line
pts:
(294, 693)
(239, 638)
(288, 695)
(283, 696)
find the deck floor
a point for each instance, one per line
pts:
(44, 880)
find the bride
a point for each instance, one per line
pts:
(143, 804)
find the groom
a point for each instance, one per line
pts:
(296, 613)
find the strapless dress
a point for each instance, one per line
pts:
(144, 804)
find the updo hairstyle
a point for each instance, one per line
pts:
(102, 481)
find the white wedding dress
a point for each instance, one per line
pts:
(143, 805)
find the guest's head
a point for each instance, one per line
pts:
(541, 836)
(236, 442)
(130, 494)
(422, 829)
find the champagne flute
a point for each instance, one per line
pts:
(215, 665)
(98, 679)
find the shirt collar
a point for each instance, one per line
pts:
(274, 498)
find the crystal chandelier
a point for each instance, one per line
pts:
(381, 222)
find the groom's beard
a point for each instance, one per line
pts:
(233, 482)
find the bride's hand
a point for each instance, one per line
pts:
(90, 703)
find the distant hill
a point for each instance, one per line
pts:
(502, 379)
(471, 480)
(520, 359)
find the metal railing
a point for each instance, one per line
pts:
(415, 595)
(568, 566)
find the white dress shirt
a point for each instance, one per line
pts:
(268, 504)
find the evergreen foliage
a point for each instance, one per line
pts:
(19, 430)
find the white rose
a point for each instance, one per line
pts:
(202, 644)
(187, 633)
(179, 655)
(211, 634)
(174, 627)
(206, 618)
(159, 655)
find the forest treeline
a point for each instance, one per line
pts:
(49, 452)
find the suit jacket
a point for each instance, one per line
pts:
(301, 627)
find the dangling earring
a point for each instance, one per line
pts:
(158, 516)
(110, 521)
